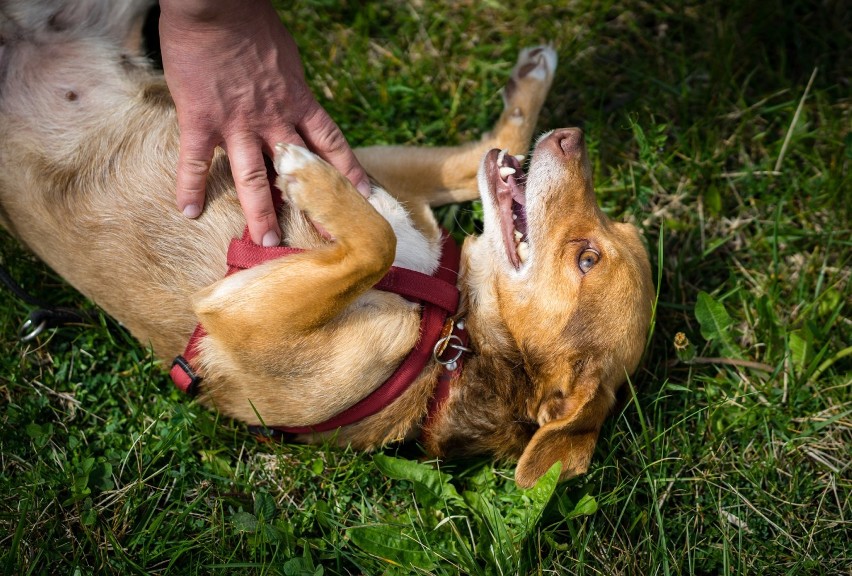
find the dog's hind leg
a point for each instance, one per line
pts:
(444, 175)
(298, 293)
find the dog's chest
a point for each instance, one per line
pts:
(413, 249)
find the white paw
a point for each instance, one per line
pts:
(537, 62)
(290, 158)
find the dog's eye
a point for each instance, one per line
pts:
(588, 258)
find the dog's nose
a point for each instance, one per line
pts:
(569, 142)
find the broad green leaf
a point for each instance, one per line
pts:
(86, 465)
(798, 348)
(540, 496)
(431, 486)
(35, 430)
(586, 506)
(715, 321)
(804, 344)
(713, 200)
(301, 567)
(829, 302)
(264, 506)
(392, 545)
(40, 434)
(89, 515)
(244, 522)
(100, 477)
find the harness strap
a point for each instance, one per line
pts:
(412, 285)
(244, 254)
(437, 295)
(437, 304)
(452, 369)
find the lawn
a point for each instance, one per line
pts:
(721, 128)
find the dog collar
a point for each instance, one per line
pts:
(438, 296)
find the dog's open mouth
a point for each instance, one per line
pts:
(508, 186)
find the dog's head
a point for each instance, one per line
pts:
(573, 293)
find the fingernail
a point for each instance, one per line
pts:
(364, 188)
(270, 239)
(192, 211)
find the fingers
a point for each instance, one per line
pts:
(192, 168)
(325, 139)
(253, 190)
(321, 135)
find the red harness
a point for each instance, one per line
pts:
(438, 297)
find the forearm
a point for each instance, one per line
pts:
(237, 81)
(204, 13)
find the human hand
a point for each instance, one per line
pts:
(237, 81)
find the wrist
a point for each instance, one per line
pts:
(200, 13)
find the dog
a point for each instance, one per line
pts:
(555, 297)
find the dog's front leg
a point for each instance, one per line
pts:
(251, 311)
(437, 176)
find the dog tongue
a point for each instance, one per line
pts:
(510, 194)
(517, 189)
(519, 218)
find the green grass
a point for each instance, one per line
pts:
(731, 458)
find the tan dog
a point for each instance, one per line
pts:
(557, 314)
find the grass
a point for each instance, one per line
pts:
(721, 128)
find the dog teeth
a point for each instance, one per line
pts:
(523, 252)
(518, 236)
(501, 156)
(520, 157)
(506, 171)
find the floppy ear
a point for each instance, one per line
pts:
(570, 437)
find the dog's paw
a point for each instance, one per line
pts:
(536, 63)
(299, 170)
(529, 82)
(317, 188)
(290, 159)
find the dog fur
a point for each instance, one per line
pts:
(88, 148)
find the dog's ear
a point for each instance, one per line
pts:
(569, 433)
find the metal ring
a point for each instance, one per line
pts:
(451, 341)
(26, 332)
